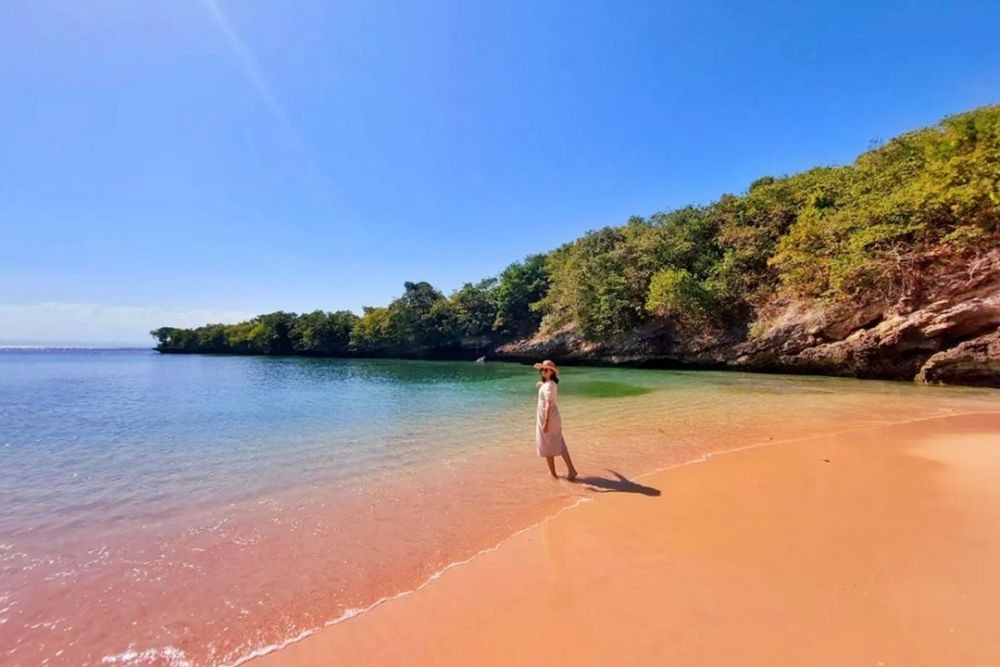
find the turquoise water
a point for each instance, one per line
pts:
(151, 433)
(191, 510)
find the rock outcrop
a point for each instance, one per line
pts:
(975, 362)
(944, 329)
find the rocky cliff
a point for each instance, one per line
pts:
(944, 328)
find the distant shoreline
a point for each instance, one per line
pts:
(78, 347)
(491, 356)
(651, 363)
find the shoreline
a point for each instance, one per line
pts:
(492, 355)
(350, 637)
(363, 510)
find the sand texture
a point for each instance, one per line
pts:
(874, 547)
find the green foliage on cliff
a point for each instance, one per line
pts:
(861, 229)
(828, 233)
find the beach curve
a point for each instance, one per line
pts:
(418, 625)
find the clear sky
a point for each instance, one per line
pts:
(180, 161)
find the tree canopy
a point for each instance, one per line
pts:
(829, 233)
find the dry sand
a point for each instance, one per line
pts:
(876, 547)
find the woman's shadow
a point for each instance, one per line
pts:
(619, 485)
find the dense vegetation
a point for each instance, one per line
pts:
(830, 233)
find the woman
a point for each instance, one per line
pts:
(548, 426)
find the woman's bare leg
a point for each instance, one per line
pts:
(552, 465)
(571, 474)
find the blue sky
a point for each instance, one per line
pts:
(178, 161)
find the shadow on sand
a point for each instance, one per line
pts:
(618, 485)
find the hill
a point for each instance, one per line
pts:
(885, 268)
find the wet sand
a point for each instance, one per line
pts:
(874, 547)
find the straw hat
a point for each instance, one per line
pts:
(547, 364)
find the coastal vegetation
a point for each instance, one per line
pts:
(833, 235)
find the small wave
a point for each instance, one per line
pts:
(352, 613)
(173, 656)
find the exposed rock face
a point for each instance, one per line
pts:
(655, 344)
(975, 361)
(944, 330)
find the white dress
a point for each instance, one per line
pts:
(550, 443)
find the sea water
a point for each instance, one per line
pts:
(199, 510)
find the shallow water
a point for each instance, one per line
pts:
(196, 509)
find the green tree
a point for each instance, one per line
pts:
(474, 309)
(518, 288)
(371, 331)
(319, 332)
(679, 295)
(412, 317)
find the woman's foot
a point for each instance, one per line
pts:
(571, 475)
